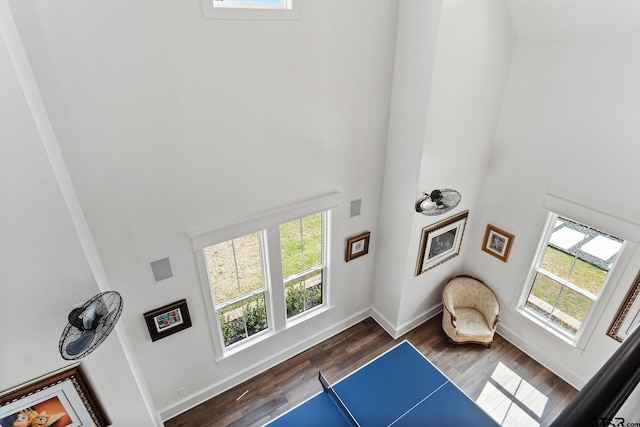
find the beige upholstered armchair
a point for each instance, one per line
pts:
(471, 311)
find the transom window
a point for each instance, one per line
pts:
(252, 9)
(253, 4)
(261, 280)
(569, 274)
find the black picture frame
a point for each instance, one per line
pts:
(168, 319)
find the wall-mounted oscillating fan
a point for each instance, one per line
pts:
(89, 325)
(438, 202)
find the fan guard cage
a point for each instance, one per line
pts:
(112, 302)
(450, 198)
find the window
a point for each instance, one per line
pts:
(252, 9)
(569, 274)
(266, 280)
(238, 287)
(302, 263)
(259, 4)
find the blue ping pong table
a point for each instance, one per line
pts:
(400, 388)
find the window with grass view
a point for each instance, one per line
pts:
(238, 286)
(570, 273)
(302, 264)
(243, 281)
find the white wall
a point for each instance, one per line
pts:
(568, 127)
(473, 57)
(44, 270)
(452, 62)
(417, 35)
(170, 123)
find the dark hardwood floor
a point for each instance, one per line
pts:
(511, 386)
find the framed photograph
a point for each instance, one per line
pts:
(628, 315)
(441, 242)
(61, 398)
(358, 246)
(497, 242)
(168, 320)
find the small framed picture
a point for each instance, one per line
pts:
(60, 398)
(441, 242)
(168, 320)
(497, 242)
(358, 246)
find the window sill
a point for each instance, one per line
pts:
(268, 334)
(551, 330)
(211, 12)
(245, 344)
(301, 318)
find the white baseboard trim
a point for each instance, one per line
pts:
(383, 322)
(418, 320)
(396, 332)
(251, 371)
(540, 357)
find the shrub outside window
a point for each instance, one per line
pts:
(302, 263)
(243, 281)
(569, 274)
(238, 286)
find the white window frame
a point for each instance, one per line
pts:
(300, 317)
(285, 10)
(268, 227)
(254, 4)
(264, 290)
(626, 230)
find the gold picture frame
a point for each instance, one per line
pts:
(441, 242)
(628, 315)
(497, 242)
(357, 246)
(63, 397)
